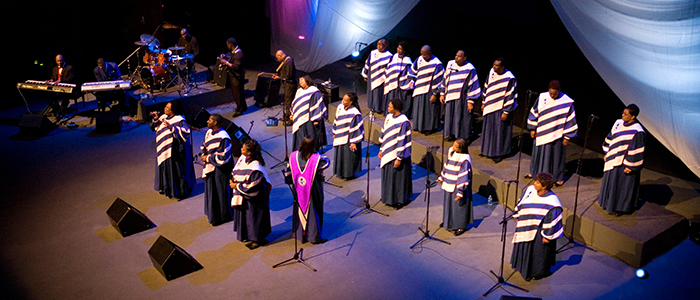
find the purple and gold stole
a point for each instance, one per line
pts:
(303, 181)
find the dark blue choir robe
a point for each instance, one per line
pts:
(251, 216)
(399, 84)
(460, 86)
(553, 120)
(537, 217)
(395, 139)
(174, 165)
(216, 174)
(500, 96)
(307, 108)
(314, 222)
(456, 181)
(374, 74)
(624, 148)
(426, 114)
(348, 129)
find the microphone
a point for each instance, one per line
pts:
(594, 117)
(510, 181)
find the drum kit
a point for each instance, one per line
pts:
(160, 68)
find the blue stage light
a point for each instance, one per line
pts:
(355, 53)
(641, 274)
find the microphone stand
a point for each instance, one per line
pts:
(286, 147)
(571, 242)
(297, 253)
(368, 208)
(426, 232)
(502, 283)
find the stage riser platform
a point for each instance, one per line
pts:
(207, 95)
(633, 239)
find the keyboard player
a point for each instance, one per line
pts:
(62, 73)
(108, 71)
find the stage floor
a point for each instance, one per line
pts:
(58, 241)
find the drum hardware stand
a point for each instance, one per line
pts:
(368, 208)
(298, 252)
(428, 185)
(571, 242)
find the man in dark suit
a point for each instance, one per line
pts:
(107, 71)
(288, 73)
(236, 76)
(62, 73)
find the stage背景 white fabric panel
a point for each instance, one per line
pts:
(330, 28)
(648, 52)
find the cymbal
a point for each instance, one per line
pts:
(140, 43)
(149, 40)
(187, 55)
(176, 48)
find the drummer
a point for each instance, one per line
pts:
(190, 45)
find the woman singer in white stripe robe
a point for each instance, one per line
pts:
(538, 225)
(395, 155)
(348, 133)
(456, 180)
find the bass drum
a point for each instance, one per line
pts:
(156, 76)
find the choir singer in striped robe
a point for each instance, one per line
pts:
(348, 133)
(624, 159)
(395, 155)
(500, 99)
(456, 181)
(218, 165)
(552, 122)
(458, 90)
(174, 164)
(398, 83)
(374, 73)
(538, 225)
(251, 196)
(428, 71)
(308, 112)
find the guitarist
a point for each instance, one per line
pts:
(236, 77)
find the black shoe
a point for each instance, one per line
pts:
(320, 242)
(451, 138)
(440, 226)
(528, 176)
(482, 155)
(253, 245)
(236, 114)
(497, 159)
(459, 232)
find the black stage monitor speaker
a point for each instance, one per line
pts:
(267, 91)
(196, 115)
(35, 125)
(108, 121)
(171, 260)
(237, 134)
(220, 75)
(127, 219)
(330, 92)
(507, 297)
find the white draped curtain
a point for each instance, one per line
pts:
(318, 32)
(648, 52)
